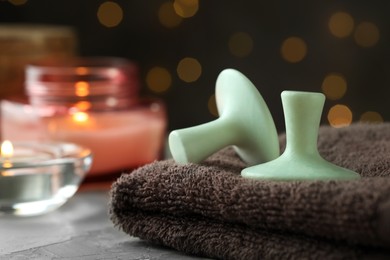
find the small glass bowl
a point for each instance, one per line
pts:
(41, 177)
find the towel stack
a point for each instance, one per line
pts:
(209, 210)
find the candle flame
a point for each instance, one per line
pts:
(80, 117)
(7, 149)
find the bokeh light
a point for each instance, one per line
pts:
(168, 16)
(341, 24)
(212, 105)
(340, 116)
(186, 8)
(334, 86)
(371, 117)
(158, 79)
(110, 14)
(240, 44)
(189, 69)
(293, 49)
(17, 2)
(367, 34)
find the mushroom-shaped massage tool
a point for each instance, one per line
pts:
(301, 159)
(244, 121)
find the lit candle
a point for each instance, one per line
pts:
(22, 155)
(39, 177)
(118, 139)
(93, 102)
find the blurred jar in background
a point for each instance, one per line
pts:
(21, 44)
(94, 102)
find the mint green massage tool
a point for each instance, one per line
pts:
(244, 122)
(301, 159)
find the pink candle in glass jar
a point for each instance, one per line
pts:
(94, 102)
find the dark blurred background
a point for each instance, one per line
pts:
(340, 48)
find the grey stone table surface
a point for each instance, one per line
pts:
(80, 229)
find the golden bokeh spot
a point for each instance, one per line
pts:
(158, 79)
(367, 34)
(334, 86)
(293, 49)
(371, 117)
(82, 89)
(110, 14)
(186, 8)
(189, 69)
(17, 2)
(340, 116)
(212, 105)
(341, 24)
(167, 15)
(240, 44)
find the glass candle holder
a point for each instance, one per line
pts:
(38, 177)
(94, 102)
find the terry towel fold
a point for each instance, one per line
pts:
(208, 209)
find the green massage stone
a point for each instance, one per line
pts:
(301, 159)
(244, 122)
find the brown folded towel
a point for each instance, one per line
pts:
(210, 210)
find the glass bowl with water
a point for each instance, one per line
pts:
(39, 177)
